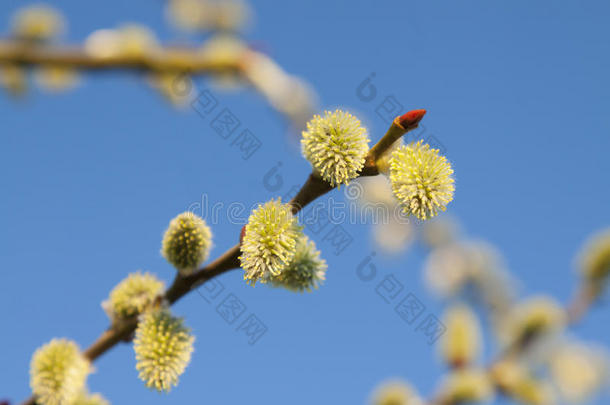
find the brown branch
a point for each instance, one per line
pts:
(258, 70)
(179, 60)
(182, 285)
(313, 188)
(582, 301)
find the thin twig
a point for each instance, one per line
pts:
(575, 310)
(582, 301)
(180, 60)
(253, 67)
(400, 126)
(313, 188)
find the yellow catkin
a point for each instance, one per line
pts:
(421, 179)
(186, 243)
(269, 242)
(461, 343)
(594, 261)
(336, 145)
(578, 370)
(163, 347)
(133, 295)
(305, 271)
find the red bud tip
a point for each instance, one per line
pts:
(241, 236)
(411, 118)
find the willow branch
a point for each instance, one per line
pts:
(400, 126)
(169, 59)
(575, 310)
(313, 188)
(582, 301)
(285, 93)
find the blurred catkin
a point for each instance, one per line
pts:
(187, 242)
(461, 343)
(58, 372)
(133, 295)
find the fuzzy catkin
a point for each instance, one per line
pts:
(58, 372)
(421, 180)
(306, 270)
(269, 242)
(186, 243)
(336, 145)
(163, 347)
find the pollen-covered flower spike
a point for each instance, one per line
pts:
(336, 146)
(133, 295)
(306, 270)
(186, 243)
(421, 180)
(58, 372)
(269, 242)
(163, 347)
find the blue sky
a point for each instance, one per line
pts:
(516, 92)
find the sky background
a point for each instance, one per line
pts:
(516, 93)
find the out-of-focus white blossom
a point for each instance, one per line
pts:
(290, 95)
(37, 23)
(392, 232)
(130, 41)
(204, 15)
(375, 190)
(470, 267)
(440, 231)
(579, 370)
(394, 237)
